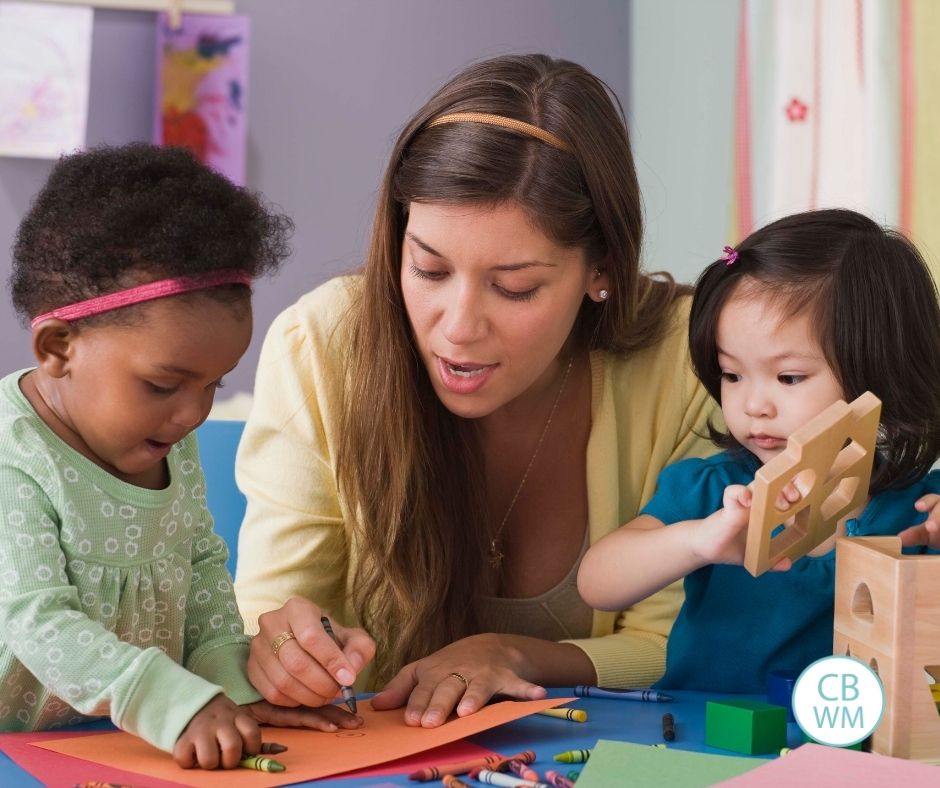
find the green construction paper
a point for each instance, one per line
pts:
(637, 765)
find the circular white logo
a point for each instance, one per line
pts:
(838, 701)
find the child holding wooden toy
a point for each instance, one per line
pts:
(134, 268)
(813, 308)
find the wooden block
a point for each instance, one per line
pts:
(746, 726)
(887, 614)
(832, 457)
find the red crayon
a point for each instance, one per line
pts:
(524, 771)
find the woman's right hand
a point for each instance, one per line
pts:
(308, 667)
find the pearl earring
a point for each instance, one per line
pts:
(603, 295)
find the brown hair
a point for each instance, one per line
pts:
(411, 471)
(875, 308)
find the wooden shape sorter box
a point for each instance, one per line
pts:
(887, 614)
(831, 459)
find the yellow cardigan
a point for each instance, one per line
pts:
(648, 410)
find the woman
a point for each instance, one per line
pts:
(435, 443)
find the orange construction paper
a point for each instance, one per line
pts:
(311, 754)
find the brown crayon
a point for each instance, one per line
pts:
(669, 727)
(272, 748)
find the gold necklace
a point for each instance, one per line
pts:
(496, 555)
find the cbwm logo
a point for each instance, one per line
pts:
(838, 701)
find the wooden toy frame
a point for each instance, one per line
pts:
(887, 614)
(832, 458)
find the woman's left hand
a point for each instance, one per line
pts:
(463, 675)
(928, 532)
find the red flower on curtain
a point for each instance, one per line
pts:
(796, 111)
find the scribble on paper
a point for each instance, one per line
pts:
(45, 60)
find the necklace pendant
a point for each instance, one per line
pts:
(496, 556)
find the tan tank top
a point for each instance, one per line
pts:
(557, 614)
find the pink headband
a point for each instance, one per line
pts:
(142, 293)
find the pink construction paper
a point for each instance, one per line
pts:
(814, 764)
(55, 770)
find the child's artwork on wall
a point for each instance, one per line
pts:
(45, 60)
(202, 89)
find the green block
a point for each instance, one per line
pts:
(809, 739)
(746, 726)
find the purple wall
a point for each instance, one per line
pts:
(331, 85)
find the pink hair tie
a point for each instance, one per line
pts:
(138, 295)
(729, 256)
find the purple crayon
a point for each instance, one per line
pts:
(558, 780)
(654, 696)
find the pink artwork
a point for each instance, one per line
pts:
(202, 89)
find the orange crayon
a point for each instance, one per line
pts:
(447, 769)
(452, 782)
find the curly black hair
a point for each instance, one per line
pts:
(114, 217)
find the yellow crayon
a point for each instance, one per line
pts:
(785, 750)
(575, 715)
(573, 756)
(260, 764)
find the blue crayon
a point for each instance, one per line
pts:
(652, 696)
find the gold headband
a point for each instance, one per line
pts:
(507, 123)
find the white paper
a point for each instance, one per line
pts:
(45, 61)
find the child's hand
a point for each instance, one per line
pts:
(723, 534)
(324, 718)
(218, 735)
(726, 536)
(928, 532)
(222, 733)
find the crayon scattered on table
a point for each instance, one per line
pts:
(785, 750)
(573, 775)
(575, 715)
(557, 779)
(573, 756)
(649, 696)
(669, 727)
(490, 777)
(523, 770)
(452, 782)
(526, 756)
(260, 764)
(272, 748)
(461, 767)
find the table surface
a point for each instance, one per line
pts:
(621, 720)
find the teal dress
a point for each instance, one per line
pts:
(733, 629)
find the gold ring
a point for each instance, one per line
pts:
(280, 640)
(462, 678)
